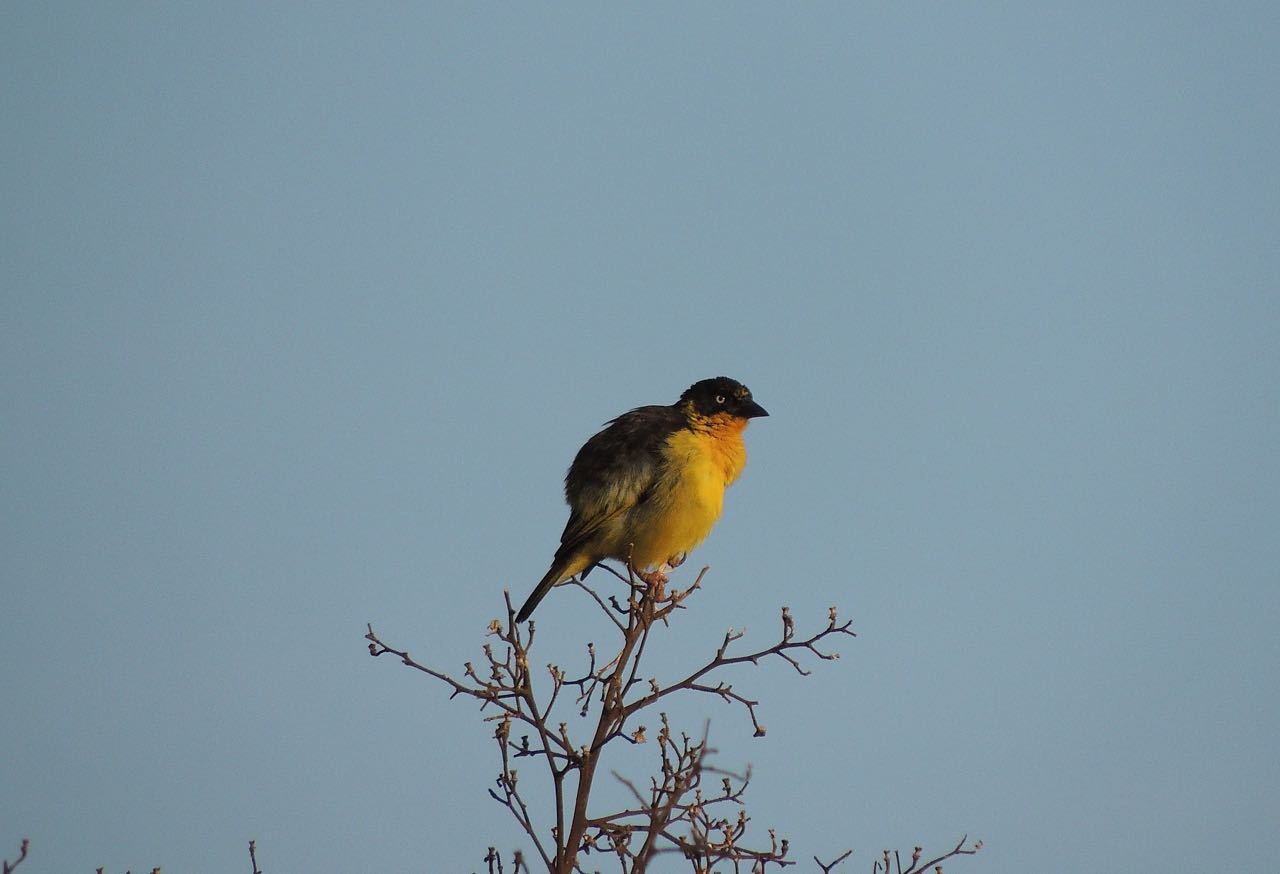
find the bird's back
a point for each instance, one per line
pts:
(619, 462)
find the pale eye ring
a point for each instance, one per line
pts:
(719, 399)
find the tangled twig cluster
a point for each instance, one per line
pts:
(676, 812)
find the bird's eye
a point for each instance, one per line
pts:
(719, 399)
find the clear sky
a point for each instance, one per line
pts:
(306, 308)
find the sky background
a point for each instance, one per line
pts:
(307, 307)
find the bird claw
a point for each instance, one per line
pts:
(652, 578)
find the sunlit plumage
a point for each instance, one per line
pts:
(650, 486)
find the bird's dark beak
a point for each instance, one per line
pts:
(752, 410)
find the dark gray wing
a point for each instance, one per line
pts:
(614, 471)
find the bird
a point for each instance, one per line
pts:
(649, 487)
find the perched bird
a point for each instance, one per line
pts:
(650, 486)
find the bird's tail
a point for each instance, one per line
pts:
(555, 575)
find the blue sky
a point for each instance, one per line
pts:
(306, 309)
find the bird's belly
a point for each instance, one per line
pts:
(681, 518)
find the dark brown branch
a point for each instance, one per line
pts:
(917, 867)
(674, 812)
(604, 608)
(22, 855)
(828, 866)
(511, 798)
(720, 660)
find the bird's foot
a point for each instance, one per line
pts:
(653, 578)
(655, 585)
(676, 560)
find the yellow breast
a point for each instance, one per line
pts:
(701, 463)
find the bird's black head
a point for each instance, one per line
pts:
(722, 395)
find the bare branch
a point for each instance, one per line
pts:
(828, 866)
(22, 855)
(917, 867)
(672, 811)
(604, 608)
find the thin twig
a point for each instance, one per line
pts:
(22, 855)
(673, 811)
(827, 866)
(604, 608)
